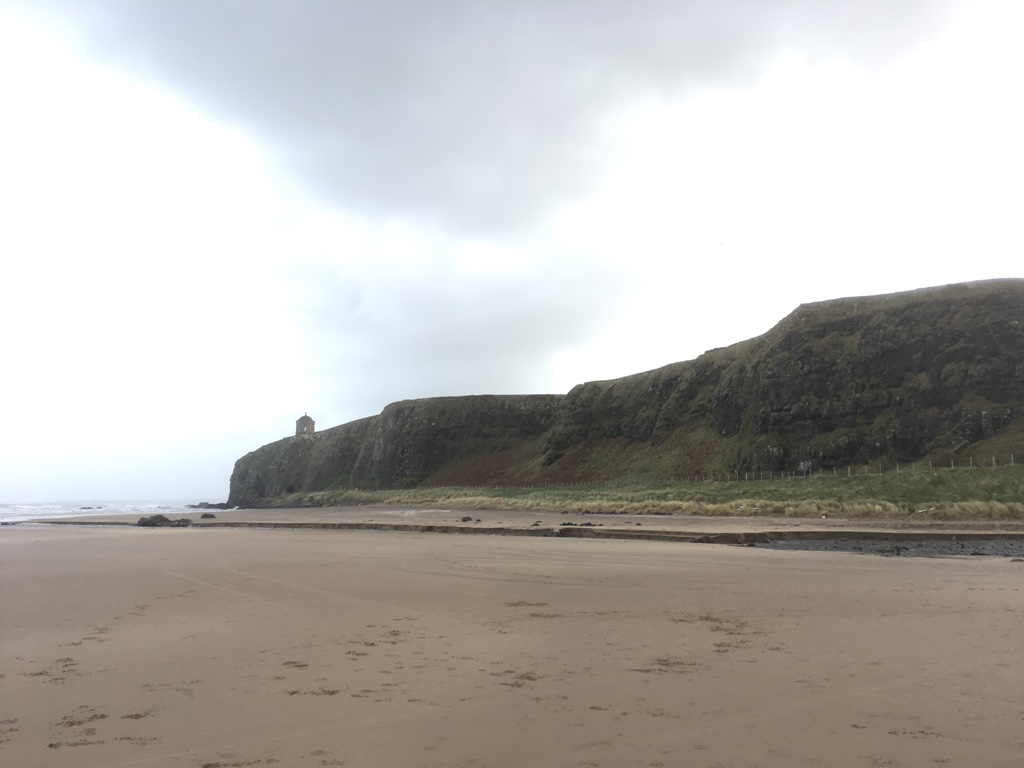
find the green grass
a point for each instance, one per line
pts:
(958, 494)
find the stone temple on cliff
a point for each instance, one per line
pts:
(304, 425)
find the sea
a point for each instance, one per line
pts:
(26, 513)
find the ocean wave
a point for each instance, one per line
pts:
(17, 513)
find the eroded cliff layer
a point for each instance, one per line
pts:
(886, 378)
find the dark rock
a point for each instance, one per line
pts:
(207, 516)
(466, 519)
(161, 521)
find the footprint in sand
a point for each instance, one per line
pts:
(6, 727)
(80, 716)
(138, 715)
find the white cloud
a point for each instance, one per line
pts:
(822, 180)
(204, 239)
(141, 248)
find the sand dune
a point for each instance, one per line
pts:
(216, 648)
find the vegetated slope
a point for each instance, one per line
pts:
(882, 379)
(890, 378)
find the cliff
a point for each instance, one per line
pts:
(407, 443)
(835, 383)
(877, 379)
(298, 464)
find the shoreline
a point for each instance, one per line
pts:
(886, 538)
(677, 528)
(583, 530)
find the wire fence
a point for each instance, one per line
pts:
(968, 462)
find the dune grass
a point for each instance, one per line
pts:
(948, 494)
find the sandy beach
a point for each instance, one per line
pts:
(211, 648)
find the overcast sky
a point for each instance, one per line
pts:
(216, 215)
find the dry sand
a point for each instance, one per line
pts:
(236, 647)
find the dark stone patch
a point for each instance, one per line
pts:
(908, 547)
(162, 521)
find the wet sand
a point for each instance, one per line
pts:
(522, 519)
(237, 647)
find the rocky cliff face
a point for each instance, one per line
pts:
(407, 443)
(835, 383)
(413, 439)
(298, 464)
(887, 378)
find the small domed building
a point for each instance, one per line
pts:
(304, 425)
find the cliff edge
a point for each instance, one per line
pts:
(882, 379)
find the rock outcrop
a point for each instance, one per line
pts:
(893, 378)
(162, 521)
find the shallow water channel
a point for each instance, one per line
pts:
(909, 547)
